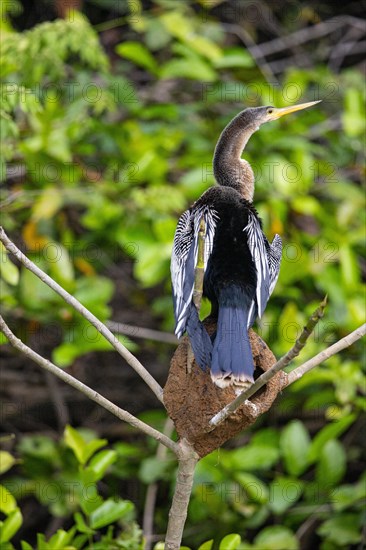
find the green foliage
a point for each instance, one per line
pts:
(128, 181)
(97, 170)
(231, 489)
(237, 487)
(64, 477)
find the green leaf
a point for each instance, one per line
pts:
(60, 265)
(284, 492)
(256, 490)
(234, 57)
(101, 462)
(252, 457)
(349, 266)
(347, 495)
(9, 272)
(230, 542)
(82, 450)
(76, 442)
(90, 500)
(109, 512)
(207, 545)
(193, 68)
(267, 437)
(276, 538)
(11, 525)
(25, 545)
(6, 461)
(353, 117)
(136, 52)
(7, 502)
(295, 443)
(342, 530)
(330, 431)
(41, 295)
(92, 447)
(47, 205)
(331, 465)
(82, 527)
(205, 47)
(152, 469)
(61, 538)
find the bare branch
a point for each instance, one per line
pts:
(152, 492)
(86, 390)
(178, 512)
(303, 338)
(142, 332)
(310, 33)
(104, 331)
(263, 379)
(255, 51)
(325, 354)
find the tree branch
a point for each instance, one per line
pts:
(142, 332)
(325, 354)
(87, 391)
(263, 379)
(152, 491)
(101, 328)
(178, 512)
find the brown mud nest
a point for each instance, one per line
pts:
(191, 398)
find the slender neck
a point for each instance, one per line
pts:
(229, 168)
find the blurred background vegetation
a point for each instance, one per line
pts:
(109, 119)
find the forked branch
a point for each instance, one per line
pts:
(73, 302)
(86, 390)
(325, 354)
(229, 409)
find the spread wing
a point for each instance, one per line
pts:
(267, 258)
(184, 259)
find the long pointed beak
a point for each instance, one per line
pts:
(277, 113)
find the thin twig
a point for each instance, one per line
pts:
(200, 266)
(309, 33)
(61, 410)
(325, 354)
(255, 51)
(198, 283)
(341, 50)
(86, 390)
(265, 377)
(142, 332)
(104, 331)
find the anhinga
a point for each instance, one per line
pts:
(240, 266)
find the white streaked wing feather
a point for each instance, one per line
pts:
(258, 251)
(274, 260)
(184, 259)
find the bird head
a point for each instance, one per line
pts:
(260, 115)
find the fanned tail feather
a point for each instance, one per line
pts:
(232, 358)
(199, 339)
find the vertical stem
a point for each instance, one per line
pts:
(198, 282)
(200, 267)
(178, 512)
(152, 491)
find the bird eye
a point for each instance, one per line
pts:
(269, 111)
